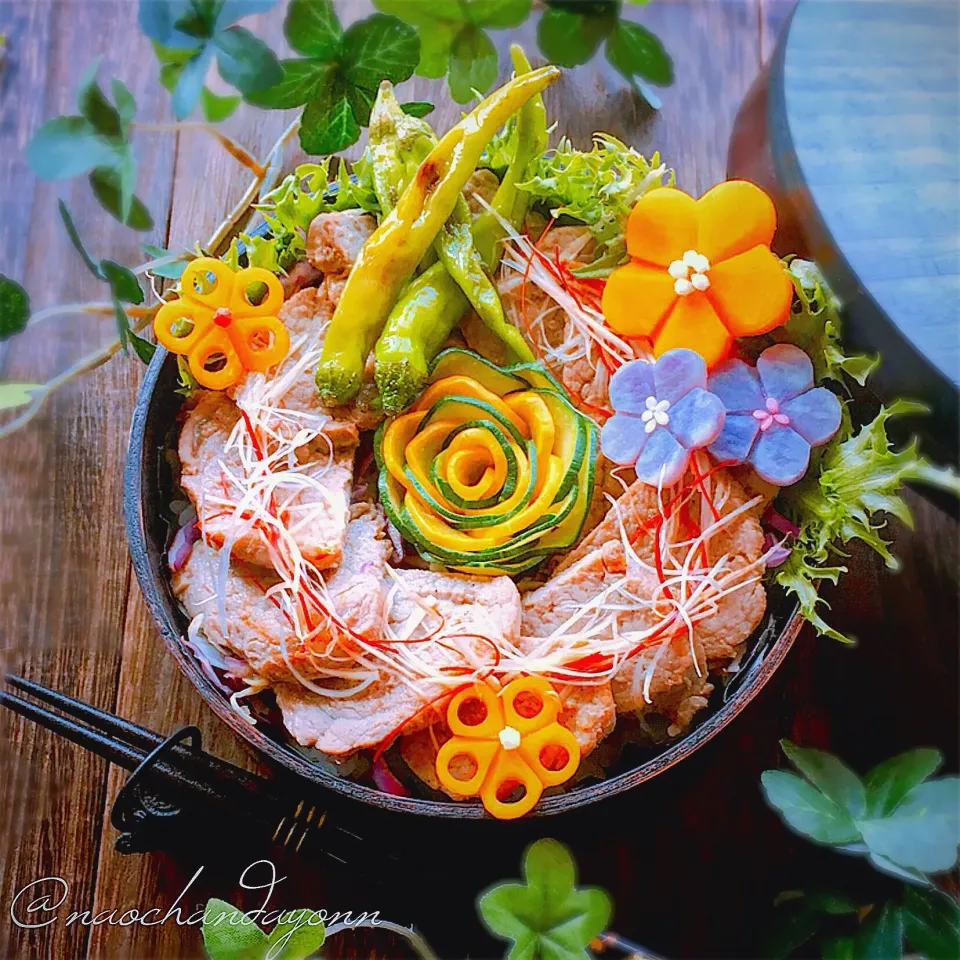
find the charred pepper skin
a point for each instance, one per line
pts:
(420, 323)
(398, 245)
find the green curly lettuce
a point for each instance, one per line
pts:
(599, 188)
(291, 206)
(814, 326)
(858, 479)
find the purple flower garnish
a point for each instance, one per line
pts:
(775, 414)
(663, 412)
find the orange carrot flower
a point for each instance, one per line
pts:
(216, 325)
(504, 742)
(701, 272)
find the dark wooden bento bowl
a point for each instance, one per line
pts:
(148, 491)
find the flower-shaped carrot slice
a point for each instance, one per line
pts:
(701, 271)
(504, 742)
(217, 325)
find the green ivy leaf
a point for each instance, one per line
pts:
(806, 810)
(435, 42)
(931, 923)
(245, 61)
(796, 924)
(312, 28)
(548, 916)
(301, 81)
(123, 325)
(202, 29)
(229, 935)
(473, 64)
(889, 782)
(829, 775)
(569, 39)
(423, 12)
(74, 236)
(838, 948)
(217, 108)
(497, 14)
(298, 934)
(880, 936)
(328, 124)
(635, 51)
(17, 394)
(123, 281)
(126, 104)
(189, 84)
(923, 832)
(95, 107)
(380, 48)
(14, 308)
(105, 184)
(417, 108)
(65, 147)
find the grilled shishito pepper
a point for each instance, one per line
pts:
(419, 323)
(389, 258)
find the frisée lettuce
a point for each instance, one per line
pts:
(859, 477)
(599, 188)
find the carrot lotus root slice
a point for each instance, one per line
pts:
(662, 226)
(734, 217)
(636, 298)
(751, 292)
(694, 324)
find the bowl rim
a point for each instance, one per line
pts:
(150, 570)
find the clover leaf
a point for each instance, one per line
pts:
(548, 916)
(97, 143)
(298, 934)
(336, 78)
(14, 308)
(124, 288)
(189, 34)
(229, 934)
(454, 38)
(570, 37)
(908, 825)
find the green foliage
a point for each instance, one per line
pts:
(228, 934)
(907, 824)
(548, 916)
(454, 38)
(14, 308)
(188, 35)
(95, 142)
(860, 477)
(571, 33)
(124, 288)
(599, 188)
(922, 922)
(339, 72)
(17, 394)
(291, 206)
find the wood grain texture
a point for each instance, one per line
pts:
(665, 851)
(65, 574)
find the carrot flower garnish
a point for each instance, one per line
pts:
(701, 272)
(217, 325)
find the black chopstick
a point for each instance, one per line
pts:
(195, 777)
(132, 733)
(119, 753)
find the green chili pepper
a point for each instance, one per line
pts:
(531, 136)
(390, 256)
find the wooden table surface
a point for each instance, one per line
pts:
(693, 859)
